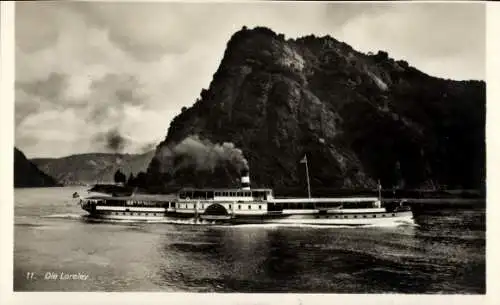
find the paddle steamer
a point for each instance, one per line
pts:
(245, 205)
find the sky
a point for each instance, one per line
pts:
(87, 70)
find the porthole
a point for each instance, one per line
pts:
(374, 216)
(383, 215)
(364, 216)
(355, 216)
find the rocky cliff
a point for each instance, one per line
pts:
(358, 117)
(26, 174)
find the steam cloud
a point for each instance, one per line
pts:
(148, 147)
(204, 154)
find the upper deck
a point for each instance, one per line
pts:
(233, 194)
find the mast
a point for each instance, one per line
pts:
(379, 187)
(304, 160)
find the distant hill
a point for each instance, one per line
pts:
(27, 174)
(93, 167)
(358, 117)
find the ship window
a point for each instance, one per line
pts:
(393, 214)
(239, 206)
(249, 207)
(260, 207)
(383, 215)
(229, 206)
(345, 216)
(364, 216)
(355, 216)
(374, 216)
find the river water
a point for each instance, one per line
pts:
(57, 248)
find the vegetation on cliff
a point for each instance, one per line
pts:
(358, 117)
(27, 174)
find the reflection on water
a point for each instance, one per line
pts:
(444, 253)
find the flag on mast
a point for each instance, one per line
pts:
(304, 160)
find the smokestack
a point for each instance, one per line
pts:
(245, 179)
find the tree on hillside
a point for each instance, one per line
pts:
(131, 180)
(120, 177)
(141, 180)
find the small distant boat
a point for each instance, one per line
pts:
(245, 205)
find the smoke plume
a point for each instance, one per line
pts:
(112, 140)
(203, 154)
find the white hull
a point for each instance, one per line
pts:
(340, 219)
(344, 222)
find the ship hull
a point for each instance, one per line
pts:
(345, 220)
(340, 219)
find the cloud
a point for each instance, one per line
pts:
(131, 67)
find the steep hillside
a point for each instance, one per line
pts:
(26, 174)
(93, 167)
(358, 117)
